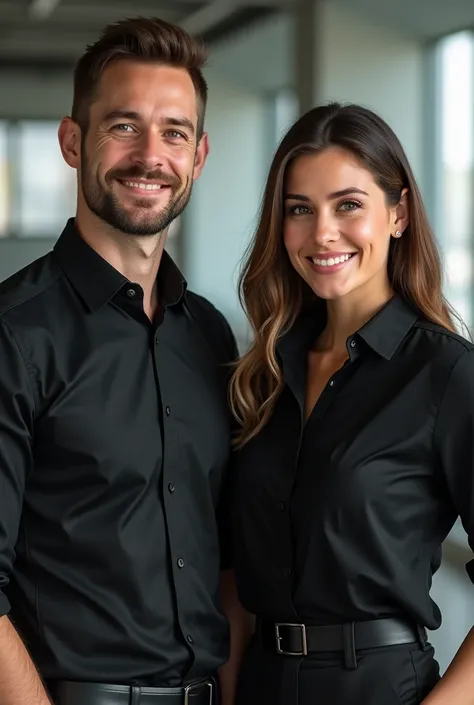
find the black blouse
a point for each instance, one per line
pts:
(342, 518)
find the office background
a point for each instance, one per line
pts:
(413, 62)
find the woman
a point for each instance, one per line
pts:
(356, 411)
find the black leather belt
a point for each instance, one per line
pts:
(301, 640)
(74, 693)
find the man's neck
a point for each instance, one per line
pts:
(137, 257)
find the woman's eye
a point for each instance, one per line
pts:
(349, 206)
(299, 210)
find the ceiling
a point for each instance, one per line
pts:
(419, 19)
(46, 33)
(54, 32)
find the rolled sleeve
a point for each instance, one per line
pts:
(16, 422)
(454, 442)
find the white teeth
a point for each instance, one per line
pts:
(330, 261)
(142, 186)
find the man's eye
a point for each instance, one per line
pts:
(123, 127)
(175, 134)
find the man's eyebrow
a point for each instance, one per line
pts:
(179, 122)
(122, 114)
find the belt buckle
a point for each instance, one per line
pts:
(189, 690)
(304, 641)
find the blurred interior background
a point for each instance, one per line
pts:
(413, 62)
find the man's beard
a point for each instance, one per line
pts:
(143, 219)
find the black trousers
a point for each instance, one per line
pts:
(393, 675)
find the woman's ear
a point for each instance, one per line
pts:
(401, 215)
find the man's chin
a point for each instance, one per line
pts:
(140, 228)
(137, 221)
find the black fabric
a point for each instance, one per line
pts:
(342, 519)
(396, 675)
(114, 444)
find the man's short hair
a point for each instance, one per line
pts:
(144, 39)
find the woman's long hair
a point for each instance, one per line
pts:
(273, 294)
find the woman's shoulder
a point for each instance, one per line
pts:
(445, 345)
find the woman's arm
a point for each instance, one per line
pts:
(456, 687)
(242, 625)
(454, 447)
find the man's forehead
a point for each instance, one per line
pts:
(142, 87)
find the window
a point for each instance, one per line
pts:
(4, 183)
(38, 189)
(46, 184)
(455, 226)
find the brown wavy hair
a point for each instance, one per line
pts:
(273, 294)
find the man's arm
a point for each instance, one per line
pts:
(20, 683)
(242, 625)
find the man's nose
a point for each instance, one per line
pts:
(149, 151)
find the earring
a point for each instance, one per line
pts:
(397, 233)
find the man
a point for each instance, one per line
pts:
(114, 425)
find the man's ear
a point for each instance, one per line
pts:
(201, 155)
(69, 135)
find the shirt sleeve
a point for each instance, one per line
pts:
(454, 442)
(16, 423)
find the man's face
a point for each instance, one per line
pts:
(140, 154)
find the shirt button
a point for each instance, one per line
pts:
(281, 506)
(168, 411)
(190, 639)
(180, 563)
(171, 487)
(131, 293)
(353, 343)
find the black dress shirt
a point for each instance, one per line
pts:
(342, 519)
(114, 438)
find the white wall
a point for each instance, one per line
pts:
(453, 592)
(221, 214)
(35, 94)
(377, 67)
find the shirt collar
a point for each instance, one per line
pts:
(97, 282)
(383, 333)
(386, 330)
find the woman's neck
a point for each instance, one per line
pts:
(347, 315)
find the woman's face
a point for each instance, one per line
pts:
(337, 225)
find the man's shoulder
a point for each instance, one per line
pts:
(212, 324)
(19, 290)
(205, 309)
